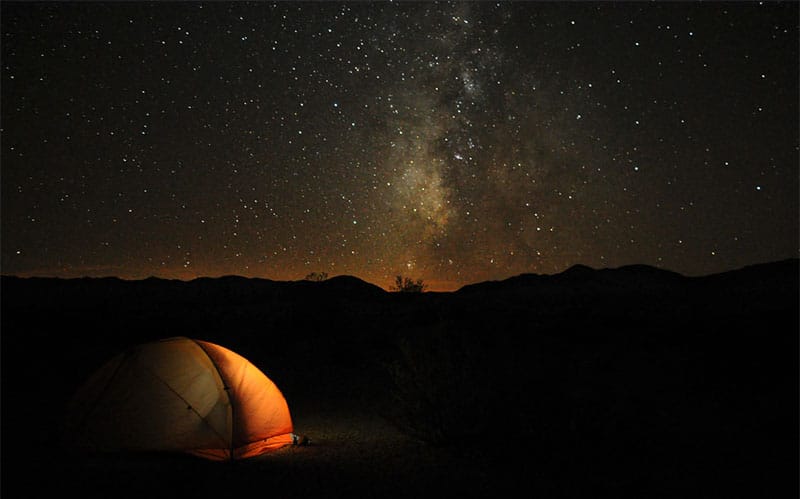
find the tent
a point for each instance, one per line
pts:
(180, 395)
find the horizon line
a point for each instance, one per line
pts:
(43, 275)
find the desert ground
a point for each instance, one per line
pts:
(632, 382)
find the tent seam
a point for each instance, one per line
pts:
(224, 387)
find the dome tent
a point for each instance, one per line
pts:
(180, 395)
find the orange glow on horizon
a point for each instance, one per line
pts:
(188, 274)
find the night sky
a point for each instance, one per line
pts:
(450, 142)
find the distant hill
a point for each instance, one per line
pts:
(216, 291)
(59, 292)
(239, 306)
(640, 276)
(580, 275)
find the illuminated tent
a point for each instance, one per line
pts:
(180, 395)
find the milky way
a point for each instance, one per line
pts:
(453, 142)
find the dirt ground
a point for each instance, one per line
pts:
(354, 452)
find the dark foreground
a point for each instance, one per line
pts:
(627, 383)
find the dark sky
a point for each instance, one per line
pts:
(452, 142)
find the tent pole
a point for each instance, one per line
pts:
(227, 394)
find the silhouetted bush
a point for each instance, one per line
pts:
(316, 276)
(408, 285)
(479, 379)
(443, 386)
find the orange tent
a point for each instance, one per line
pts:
(180, 395)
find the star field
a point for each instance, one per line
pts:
(453, 142)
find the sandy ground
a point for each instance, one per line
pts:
(352, 454)
(355, 452)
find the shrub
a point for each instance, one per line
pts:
(442, 387)
(317, 276)
(408, 285)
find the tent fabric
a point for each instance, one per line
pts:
(180, 395)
